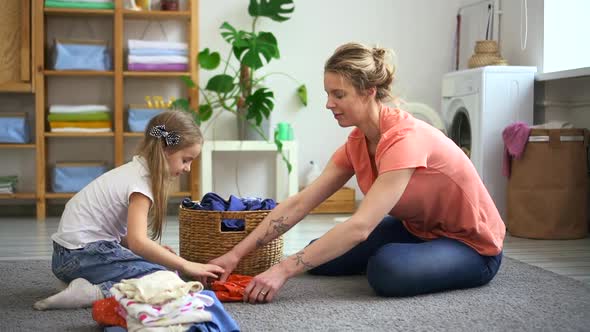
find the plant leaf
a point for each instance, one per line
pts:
(302, 94)
(181, 104)
(259, 105)
(276, 10)
(188, 81)
(205, 112)
(262, 45)
(208, 60)
(221, 83)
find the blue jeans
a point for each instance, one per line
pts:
(398, 263)
(102, 263)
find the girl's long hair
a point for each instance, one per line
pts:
(154, 151)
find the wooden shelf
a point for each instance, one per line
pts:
(180, 194)
(18, 196)
(16, 146)
(78, 73)
(155, 74)
(59, 195)
(50, 134)
(16, 87)
(156, 14)
(44, 79)
(70, 195)
(78, 12)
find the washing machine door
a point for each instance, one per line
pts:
(460, 131)
(425, 113)
(463, 126)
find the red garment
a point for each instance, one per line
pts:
(104, 312)
(515, 138)
(231, 290)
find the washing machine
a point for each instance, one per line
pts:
(477, 104)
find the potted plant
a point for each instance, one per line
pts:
(239, 88)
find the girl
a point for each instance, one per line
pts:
(102, 236)
(441, 229)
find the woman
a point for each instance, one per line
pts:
(441, 230)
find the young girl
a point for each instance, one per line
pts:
(102, 236)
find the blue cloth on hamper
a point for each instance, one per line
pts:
(73, 178)
(213, 202)
(14, 130)
(71, 56)
(138, 118)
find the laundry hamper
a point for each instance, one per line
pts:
(201, 239)
(548, 186)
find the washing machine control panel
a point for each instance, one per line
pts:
(459, 86)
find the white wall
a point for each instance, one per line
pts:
(510, 33)
(419, 31)
(566, 35)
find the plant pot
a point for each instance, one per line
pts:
(247, 133)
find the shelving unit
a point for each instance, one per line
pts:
(119, 75)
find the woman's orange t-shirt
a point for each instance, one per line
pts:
(445, 196)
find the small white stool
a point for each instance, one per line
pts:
(287, 184)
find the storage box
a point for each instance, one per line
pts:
(341, 201)
(14, 128)
(138, 116)
(72, 54)
(73, 176)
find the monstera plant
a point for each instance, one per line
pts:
(238, 87)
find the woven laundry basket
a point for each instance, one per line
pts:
(201, 239)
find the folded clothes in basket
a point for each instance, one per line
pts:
(214, 202)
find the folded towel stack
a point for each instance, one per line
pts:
(81, 4)
(8, 184)
(157, 56)
(80, 118)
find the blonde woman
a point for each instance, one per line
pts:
(441, 229)
(108, 230)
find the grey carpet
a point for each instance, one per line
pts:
(521, 297)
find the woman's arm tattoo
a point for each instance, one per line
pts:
(277, 226)
(300, 261)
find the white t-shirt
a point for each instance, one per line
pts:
(99, 211)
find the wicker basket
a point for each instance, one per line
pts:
(486, 46)
(201, 239)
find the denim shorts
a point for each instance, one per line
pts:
(102, 263)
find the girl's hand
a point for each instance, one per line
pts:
(201, 272)
(265, 286)
(169, 249)
(228, 262)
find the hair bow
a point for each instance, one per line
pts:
(170, 138)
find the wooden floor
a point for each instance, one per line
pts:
(25, 238)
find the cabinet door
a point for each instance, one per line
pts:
(15, 48)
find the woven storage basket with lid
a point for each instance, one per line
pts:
(201, 239)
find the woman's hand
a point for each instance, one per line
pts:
(201, 272)
(265, 286)
(228, 262)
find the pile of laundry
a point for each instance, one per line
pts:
(80, 118)
(162, 301)
(153, 55)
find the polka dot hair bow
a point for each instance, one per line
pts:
(170, 138)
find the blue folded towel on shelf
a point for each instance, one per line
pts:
(214, 202)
